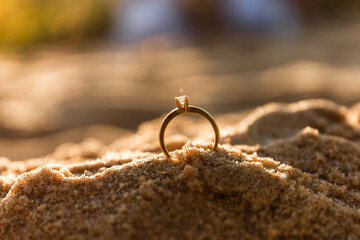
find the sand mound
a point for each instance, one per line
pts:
(285, 171)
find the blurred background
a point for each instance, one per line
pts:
(71, 70)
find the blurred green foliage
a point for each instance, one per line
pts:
(24, 23)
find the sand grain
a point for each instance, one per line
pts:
(284, 172)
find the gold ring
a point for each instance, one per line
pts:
(184, 107)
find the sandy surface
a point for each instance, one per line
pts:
(283, 171)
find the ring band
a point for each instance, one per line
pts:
(183, 107)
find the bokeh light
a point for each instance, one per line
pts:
(71, 70)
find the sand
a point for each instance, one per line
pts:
(283, 171)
